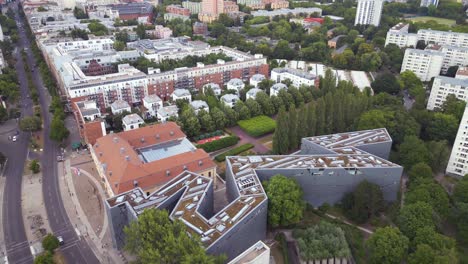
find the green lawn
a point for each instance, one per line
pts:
(258, 126)
(444, 21)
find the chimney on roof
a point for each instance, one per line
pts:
(135, 184)
(122, 150)
(168, 173)
(171, 133)
(157, 136)
(142, 140)
(127, 158)
(185, 167)
(116, 139)
(200, 163)
(100, 154)
(110, 173)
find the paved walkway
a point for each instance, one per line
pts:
(8, 127)
(105, 253)
(246, 138)
(351, 224)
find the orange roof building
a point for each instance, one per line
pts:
(147, 157)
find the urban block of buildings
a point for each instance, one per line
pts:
(324, 161)
(368, 12)
(457, 165)
(443, 86)
(285, 12)
(147, 157)
(297, 77)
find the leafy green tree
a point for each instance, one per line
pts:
(30, 124)
(3, 114)
(281, 135)
(443, 127)
(365, 202)
(415, 216)
(460, 214)
(219, 118)
(311, 120)
(439, 154)
(2, 160)
(254, 107)
(302, 125)
(206, 122)
(430, 192)
(371, 61)
(387, 246)
(420, 171)
(429, 236)
(460, 193)
(431, 247)
(283, 51)
(141, 31)
(293, 142)
(265, 103)
(97, 28)
(413, 151)
(58, 130)
(189, 122)
(44, 258)
(386, 83)
(453, 106)
(410, 81)
(34, 166)
(153, 238)
(285, 203)
(80, 13)
(50, 243)
(320, 116)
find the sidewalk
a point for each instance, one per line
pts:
(104, 251)
(2, 235)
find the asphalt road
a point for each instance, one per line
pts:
(75, 250)
(17, 246)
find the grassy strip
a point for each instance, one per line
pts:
(283, 245)
(219, 144)
(222, 157)
(258, 126)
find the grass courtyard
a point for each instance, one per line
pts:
(443, 21)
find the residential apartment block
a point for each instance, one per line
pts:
(368, 12)
(458, 163)
(443, 86)
(70, 63)
(324, 161)
(147, 157)
(400, 36)
(424, 63)
(297, 77)
(427, 3)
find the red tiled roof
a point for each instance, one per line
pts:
(124, 167)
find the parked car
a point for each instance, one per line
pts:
(14, 138)
(60, 239)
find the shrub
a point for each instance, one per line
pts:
(34, 166)
(258, 126)
(219, 144)
(221, 157)
(50, 243)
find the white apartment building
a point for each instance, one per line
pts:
(368, 12)
(199, 105)
(235, 84)
(276, 88)
(443, 86)
(252, 93)
(120, 106)
(454, 56)
(229, 100)
(399, 36)
(131, 122)
(256, 79)
(424, 63)
(214, 87)
(458, 162)
(181, 94)
(167, 112)
(152, 103)
(297, 77)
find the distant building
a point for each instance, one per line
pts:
(171, 16)
(427, 3)
(229, 100)
(368, 12)
(256, 79)
(424, 63)
(152, 103)
(147, 157)
(166, 112)
(160, 32)
(235, 84)
(177, 9)
(297, 77)
(285, 12)
(199, 105)
(279, 4)
(132, 121)
(274, 90)
(252, 93)
(400, 36)
(135, 11)
(200, 28)
(443, 86)
(332, 43)
(119, 106)
(179, 94)
(194, 7)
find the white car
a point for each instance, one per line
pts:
(14, 138)
(60, 239)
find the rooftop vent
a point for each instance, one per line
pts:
(168, 173)
(185, 167)
(110, 173)
(122, 150)
(200, 163)
(116, 139)
(97, 145)
(142, 140)
(157, 136)
(171, 133)
(135, 183)
(127, 158)
(100, 154)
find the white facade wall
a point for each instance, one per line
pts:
(401, 39)
(443, 37)
(443, 86)
(458, 162)
(424, 63)
(297, 81)
(368, 12)
(454, 56)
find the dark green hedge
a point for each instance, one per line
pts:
(219, 144)
(221, 157)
